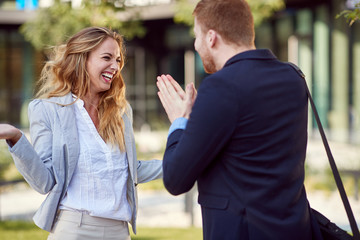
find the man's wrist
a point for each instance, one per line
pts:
(178, 123)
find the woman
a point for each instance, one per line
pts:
(83, 153)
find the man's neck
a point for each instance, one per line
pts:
(226, 52)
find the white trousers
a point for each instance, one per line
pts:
(71, 225)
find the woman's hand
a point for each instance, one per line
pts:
(10, 133)
(176, 102)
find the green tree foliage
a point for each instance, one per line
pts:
(183, 12)
(351, 15)
(53, 25)
(261, 9)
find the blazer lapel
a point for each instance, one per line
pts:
(129, 146)
(68, 127)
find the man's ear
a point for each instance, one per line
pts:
(211, 38)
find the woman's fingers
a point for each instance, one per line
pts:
(10, 133)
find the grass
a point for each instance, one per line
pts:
(168, 234)
(22, 230)
(19, 230)
(157, 184)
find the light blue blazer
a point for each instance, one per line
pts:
(49, 162)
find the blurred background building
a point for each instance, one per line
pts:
(306, 32)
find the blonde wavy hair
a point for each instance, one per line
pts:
(66, 72)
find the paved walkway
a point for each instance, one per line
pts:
(160, 209)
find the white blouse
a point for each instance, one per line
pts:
(98, 185)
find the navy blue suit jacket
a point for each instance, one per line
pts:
(245, 145)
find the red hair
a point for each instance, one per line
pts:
(232, 19)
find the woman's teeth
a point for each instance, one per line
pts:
(107, 77)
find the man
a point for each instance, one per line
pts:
(245, 139)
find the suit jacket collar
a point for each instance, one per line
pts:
(251, 54)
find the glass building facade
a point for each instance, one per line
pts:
(20, 65)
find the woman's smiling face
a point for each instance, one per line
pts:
(102, 65)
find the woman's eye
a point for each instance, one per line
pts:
(106, 58)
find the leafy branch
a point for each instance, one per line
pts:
(53, 25)
(351, 15)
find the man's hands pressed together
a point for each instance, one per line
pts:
(176, 102)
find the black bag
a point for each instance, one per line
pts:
(329, 230)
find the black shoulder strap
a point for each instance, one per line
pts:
(334, 169)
